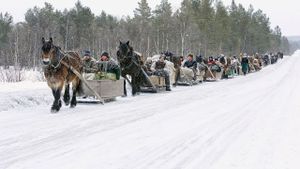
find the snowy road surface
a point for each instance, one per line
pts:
(250, 122)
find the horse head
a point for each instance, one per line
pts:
(50, 52)
(124, 50)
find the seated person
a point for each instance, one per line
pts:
(201, 63)
(107, 68)
(223, 59)
(148, 65)
(88, 66)
(191, 64)
(199, 59)
(211, 61)
(214, 64)
(158, 69)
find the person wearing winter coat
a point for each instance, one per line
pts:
(235, 63)
(158, 68)
(191, 64)
(211, 61)
(245, 64)
(88, 62)
(88, 66)
(107, 68)
(148, 64)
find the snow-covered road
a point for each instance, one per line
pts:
(250, 122)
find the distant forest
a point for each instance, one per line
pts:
(205, 27)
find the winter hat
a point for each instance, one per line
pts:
(105, 54)
(87, 53)
(199, 58)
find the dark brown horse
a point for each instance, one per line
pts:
(58, 73)
(131, 64)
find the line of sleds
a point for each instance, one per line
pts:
(183, 76)
(62, 69)
(213, 69)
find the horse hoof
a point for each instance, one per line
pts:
(67, 102)
(54, 110)
(73, 103)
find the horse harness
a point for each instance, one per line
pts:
(61, 56)
(133, 62)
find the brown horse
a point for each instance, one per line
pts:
(58, 74)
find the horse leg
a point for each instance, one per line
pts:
(139, 84)
(67, 94)
(75, 89)
(125, 91)
(57, 102)
(134, 86)
(125, 78)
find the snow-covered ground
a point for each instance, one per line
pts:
(15, 74)
(250, 122)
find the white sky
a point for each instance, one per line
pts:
(283, 13)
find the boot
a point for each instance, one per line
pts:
(168, 88)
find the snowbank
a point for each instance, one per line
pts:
(15, 74)
(24, 94)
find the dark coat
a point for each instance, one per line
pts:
(111, 67)
(245, 64)
(160, 65)
(190, 64)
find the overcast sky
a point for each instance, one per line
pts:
(285, 13)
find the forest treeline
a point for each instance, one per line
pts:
(205, 27)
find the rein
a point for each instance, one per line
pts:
(61, 56)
